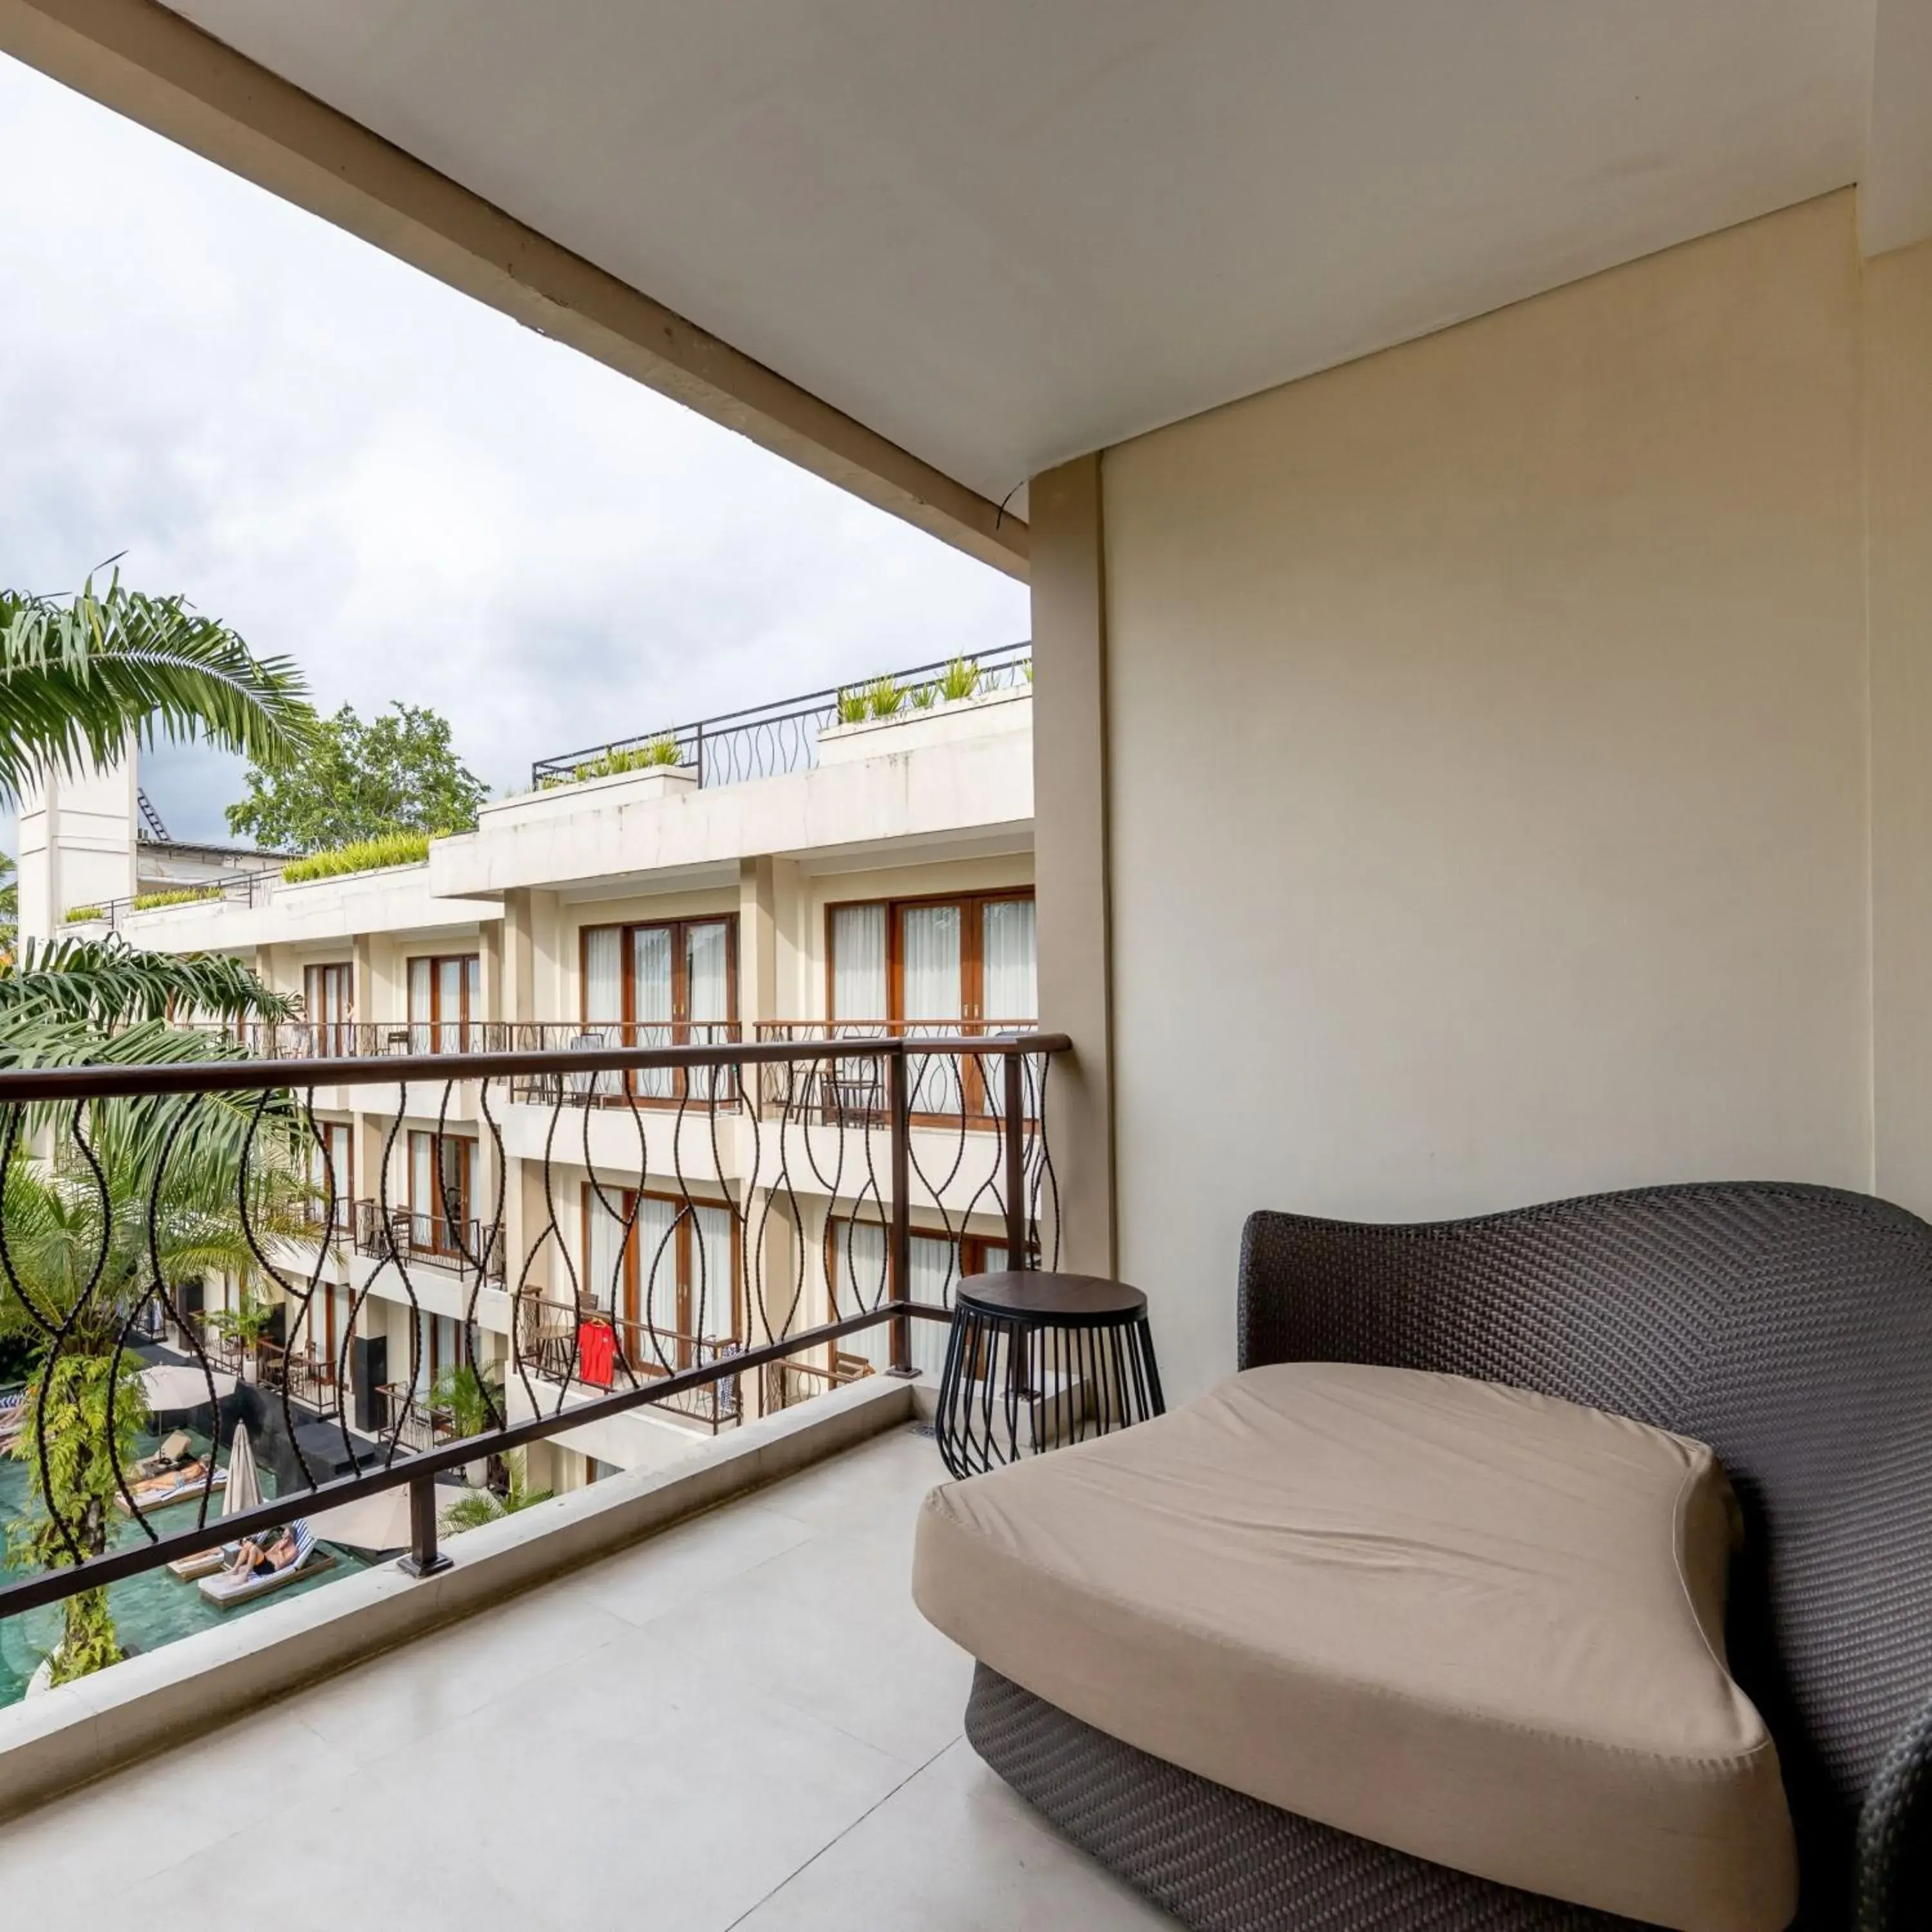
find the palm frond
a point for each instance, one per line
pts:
(78, 678)
(105, 984)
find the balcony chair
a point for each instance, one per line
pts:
(1788, 1327)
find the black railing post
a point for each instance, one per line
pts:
(1015, 1127)
(425, 1559)
(900, 1132)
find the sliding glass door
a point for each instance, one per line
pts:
(328, 1000)
(672, 1285)
(670, 983)
(445, 1001)
(943, 967)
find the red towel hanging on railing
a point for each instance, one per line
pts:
(596, 1353)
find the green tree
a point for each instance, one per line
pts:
(395, 773)
(81, 677)
(10, 909)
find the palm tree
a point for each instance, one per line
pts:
(92, 1234)
(475, 1507)
(103, 1203)
(80, 677)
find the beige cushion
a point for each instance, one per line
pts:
(1481, 1626)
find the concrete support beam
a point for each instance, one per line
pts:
(1069, 746)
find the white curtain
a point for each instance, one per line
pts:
(859, 1259)
(604, 1265)
(930, 999)
(864, 1283)
(711, 1284)
(424, 1206)
(420, 996)
(451, 975)
(707, 997)
(1008, 980)
(859, 963)
(860, 998)
(651, 1002)
(858, 1256)
(657, 1271)
(603, 1004)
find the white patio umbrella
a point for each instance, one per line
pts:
(380, 1522)
(245, 1481)
(169, 1385)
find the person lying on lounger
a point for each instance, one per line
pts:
(185, 1477)
(267, 1554)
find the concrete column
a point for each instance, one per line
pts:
(1070, 843)
(757, 945)
(515, 960)
(76, 844)
(489, 974)
(553, 977)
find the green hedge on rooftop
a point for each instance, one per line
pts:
(366, 855)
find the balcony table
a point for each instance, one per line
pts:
(1037, 1359)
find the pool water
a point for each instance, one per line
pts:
(150, 1610)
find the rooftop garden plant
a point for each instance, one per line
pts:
(960, 679)
(79, 915)
(365, 855)
(656, 755)
(883, 697)
(176, 895)
(852, 705)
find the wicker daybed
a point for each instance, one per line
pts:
(1790, 1328)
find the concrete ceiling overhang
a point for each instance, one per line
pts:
(982, 240)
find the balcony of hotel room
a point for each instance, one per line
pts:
(1477, 484)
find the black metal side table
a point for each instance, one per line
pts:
(1037, 1360)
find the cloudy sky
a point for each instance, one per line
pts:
(406, 492)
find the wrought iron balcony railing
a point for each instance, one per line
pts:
(824, 1257)
(468, 1246)
(587, 1344)
(767, 740)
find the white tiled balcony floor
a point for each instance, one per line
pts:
(743, 1723)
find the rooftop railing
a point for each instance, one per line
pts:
(767, 740)
(234, 889)
(830, 1251)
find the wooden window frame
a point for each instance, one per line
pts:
(345, 1180)
(472, 975)
(341, 1032)
(680, 1021)
(642, 1359)
(433, 1211)
(972, 965)
(978, 1103)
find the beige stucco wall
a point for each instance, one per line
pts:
(1488, 767)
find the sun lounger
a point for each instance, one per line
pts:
(225, 1591)
(182, 1492)
(203, 1562)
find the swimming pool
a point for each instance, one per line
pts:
(149, 1610)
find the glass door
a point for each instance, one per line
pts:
(326, 999)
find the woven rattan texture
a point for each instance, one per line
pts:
(1791, 1328)
(1221, 1862)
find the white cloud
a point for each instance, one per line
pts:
(405, 491)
